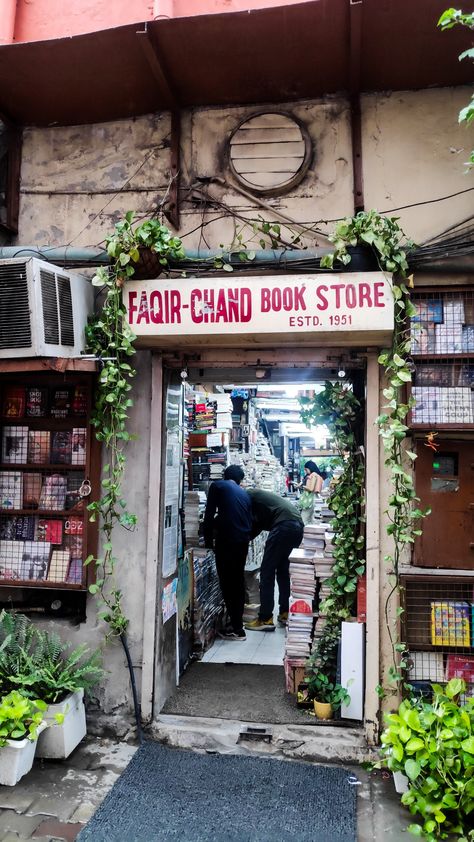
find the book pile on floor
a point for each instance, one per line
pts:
(300, 617)
(208, 606)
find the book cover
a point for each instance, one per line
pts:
(11, 554)
(460, 666)
(73, 497)
(61, 447)
(79, 446)
(24, 528)
(58, 566)
(38, 447)
(74, 526)
(35, 560)
(79, 401)
(61, 399)
(74, 574)
(13, 403)
(36, 402)
(32, 484)
(53, 492)
(50, 531)
(74, 545)
(8, 528)
(11, 490)
(15, 445)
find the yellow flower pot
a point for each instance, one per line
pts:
(323, 710)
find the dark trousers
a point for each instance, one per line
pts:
(230, 564)
(282, 539)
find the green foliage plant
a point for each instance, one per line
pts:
(449, 19)
(380, 233)
(391, 246)
(432, 743)
(40, 665)
(323, 689)
(20, 717)
(111, 340)
(338, 408)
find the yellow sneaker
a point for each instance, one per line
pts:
(283, 618)
(261, 625)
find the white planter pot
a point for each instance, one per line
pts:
(16, 759)
(58, 741)
(401, 782)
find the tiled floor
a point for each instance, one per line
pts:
(259, 648)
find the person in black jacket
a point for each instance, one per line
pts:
(229, 535)
(282, 520)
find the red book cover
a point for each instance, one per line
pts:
(362, 599)
(73, 526)
(51, 531)
(13, 404)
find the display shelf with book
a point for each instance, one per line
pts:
(442, 346)
(438, 628)
(45, 483)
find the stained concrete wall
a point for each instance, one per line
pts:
(78, 181)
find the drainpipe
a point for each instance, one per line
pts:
(7, 22)
(70, 257)
(96, 257)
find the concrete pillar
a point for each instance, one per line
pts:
(151, 566)
(372, 667)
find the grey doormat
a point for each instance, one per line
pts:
(169, 794)
(249, 692)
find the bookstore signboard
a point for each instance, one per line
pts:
(354, 307)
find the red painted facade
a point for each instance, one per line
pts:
(43, 20)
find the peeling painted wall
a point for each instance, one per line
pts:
(78, 181)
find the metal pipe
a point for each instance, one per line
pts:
(83, 257)
(97, 257)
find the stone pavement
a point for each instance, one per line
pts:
(54, 801)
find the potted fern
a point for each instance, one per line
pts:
(41, 666)
(21, 722)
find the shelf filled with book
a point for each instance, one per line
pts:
(442, 347)
(45, 480)
(438, 628)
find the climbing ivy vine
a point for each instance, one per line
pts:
(338, 408)
(390, 246)
(110, 339)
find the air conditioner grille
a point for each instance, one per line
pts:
(15, 316)
(50, 307)
(66, 320)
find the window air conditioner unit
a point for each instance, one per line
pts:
(43, 309)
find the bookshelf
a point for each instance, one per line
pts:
(45, 481)
(442, 347)
(438, 628)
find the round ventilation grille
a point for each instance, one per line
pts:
(269, 153)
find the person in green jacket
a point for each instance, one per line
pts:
(282, 520)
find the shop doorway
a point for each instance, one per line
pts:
(250, 416)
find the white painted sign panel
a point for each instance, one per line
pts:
(320, 305)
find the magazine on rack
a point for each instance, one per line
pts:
(15, 445)
(35, 560)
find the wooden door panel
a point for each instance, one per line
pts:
(445, 483)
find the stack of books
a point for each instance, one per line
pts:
(208, 606)
(191, 518)
(302, 593)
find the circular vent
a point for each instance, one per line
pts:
(269, 153)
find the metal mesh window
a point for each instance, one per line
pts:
(438, 628)
(442, 345)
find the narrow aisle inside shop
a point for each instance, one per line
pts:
(257, 427)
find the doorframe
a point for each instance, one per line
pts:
(295, 358)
